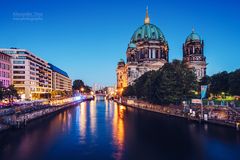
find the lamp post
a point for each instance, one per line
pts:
(82, 89)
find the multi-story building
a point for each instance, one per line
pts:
(5, 69)
(31, 75)
(60, 79)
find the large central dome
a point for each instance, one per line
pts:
(148, 32)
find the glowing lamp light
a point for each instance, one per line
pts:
(82, 89)
(77, 98)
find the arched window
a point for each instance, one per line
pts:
(132, 58)
(157, 54)
(139, 36)
(161, 53)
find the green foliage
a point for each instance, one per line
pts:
(129, 91)
(78, 84)
(172, 84)
(9, 92)
(87, 89)
(229, 83)
(234, 83)
(219, 83)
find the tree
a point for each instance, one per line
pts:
(78, 84)
(171, 84)
(174, 83)
(87, 89)
(206, 80)
(234, 82)
(129, 91)
(219, 83)
(10, 93)
(141, 85)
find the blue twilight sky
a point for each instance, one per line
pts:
(86, 38)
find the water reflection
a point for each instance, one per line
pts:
(118, 130)
(105, 130)
(83, 121)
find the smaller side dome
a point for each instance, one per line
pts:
(121, 63)
(121, 60)
(132, 45)
(193, 37)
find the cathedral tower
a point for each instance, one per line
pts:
(193, 54)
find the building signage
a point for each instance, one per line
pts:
(203, 91)
(197, 101)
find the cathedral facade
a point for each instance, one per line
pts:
(148, 50)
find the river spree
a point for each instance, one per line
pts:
(105, 130)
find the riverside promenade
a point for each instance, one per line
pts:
(19, 116)
(220, 116)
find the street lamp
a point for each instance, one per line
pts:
(82, 89)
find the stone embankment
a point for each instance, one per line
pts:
(182, 112)
(20, 116)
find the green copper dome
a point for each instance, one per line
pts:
(148, 32)
(193, 37)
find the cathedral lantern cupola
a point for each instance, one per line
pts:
(193, 54)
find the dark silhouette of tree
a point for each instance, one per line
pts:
(78, 84)
(219, 83)
(10, 93)
(234, 82)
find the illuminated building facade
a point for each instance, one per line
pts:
(31, 76)
(60, 79)
(5, 69)
(147, 50)
(121, 75)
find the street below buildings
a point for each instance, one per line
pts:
(105, 130)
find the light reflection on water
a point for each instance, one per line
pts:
(118, 130)
(105, 130)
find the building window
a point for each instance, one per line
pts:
(18, 82)
(18, 62)
(157, 54)
(18, 72)
(32, 78)
(18, 77)
(18, 67)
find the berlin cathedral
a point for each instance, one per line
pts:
(148, 50)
